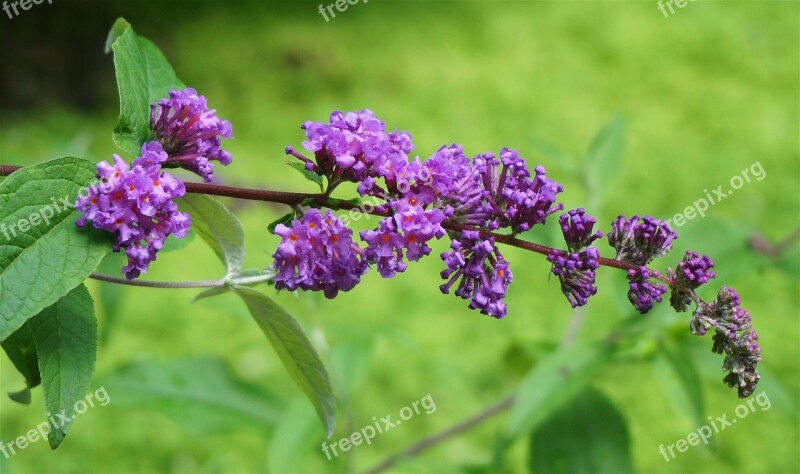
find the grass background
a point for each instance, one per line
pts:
(706, 93)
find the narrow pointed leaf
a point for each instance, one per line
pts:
(295, 351)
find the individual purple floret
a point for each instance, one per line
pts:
(692, 272)
(318, 253)
(575, 271)
(577, 227)
(640, 242)
(514, 199)
(641, 293)
(352, 145)
(189, 132)
(734, 336)
(136, 205)
(482, 272)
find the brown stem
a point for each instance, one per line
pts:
(295, 199)
(430, 441)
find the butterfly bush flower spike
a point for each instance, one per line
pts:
(137, 205)
(467, 199)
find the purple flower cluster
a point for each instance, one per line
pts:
(136, 205)
(513, 198)
(317, 253)
(577, 228)
(190, 132)
(575, 269)
(692, 272)
(641, 292)
(353, 146)
(484, 192)
(640, 242)
(482, 273)
(492, 193)
(407, 231)
(734, 337)
(471, 198)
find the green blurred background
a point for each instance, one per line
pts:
(705, 93)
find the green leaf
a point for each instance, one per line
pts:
(66, 343)
(602, 159)
(220, 229)
(307, 174)
(120, 26)
(50, 256)
(295, 351)
(285, 220)
(553, 382)
(21, 349)
(680, 381)
(143, 77)
(589, 435)
(202, 395)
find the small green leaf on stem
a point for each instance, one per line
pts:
(307, 174)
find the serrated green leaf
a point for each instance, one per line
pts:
(295, 351)
(285, 220)
(307, 174)
(220, 229)
(46, 261)
(21, 349)
(143, 77)
(66, 344)
(588, 435)
(603, 158)
(202, 395)
(553, 382)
